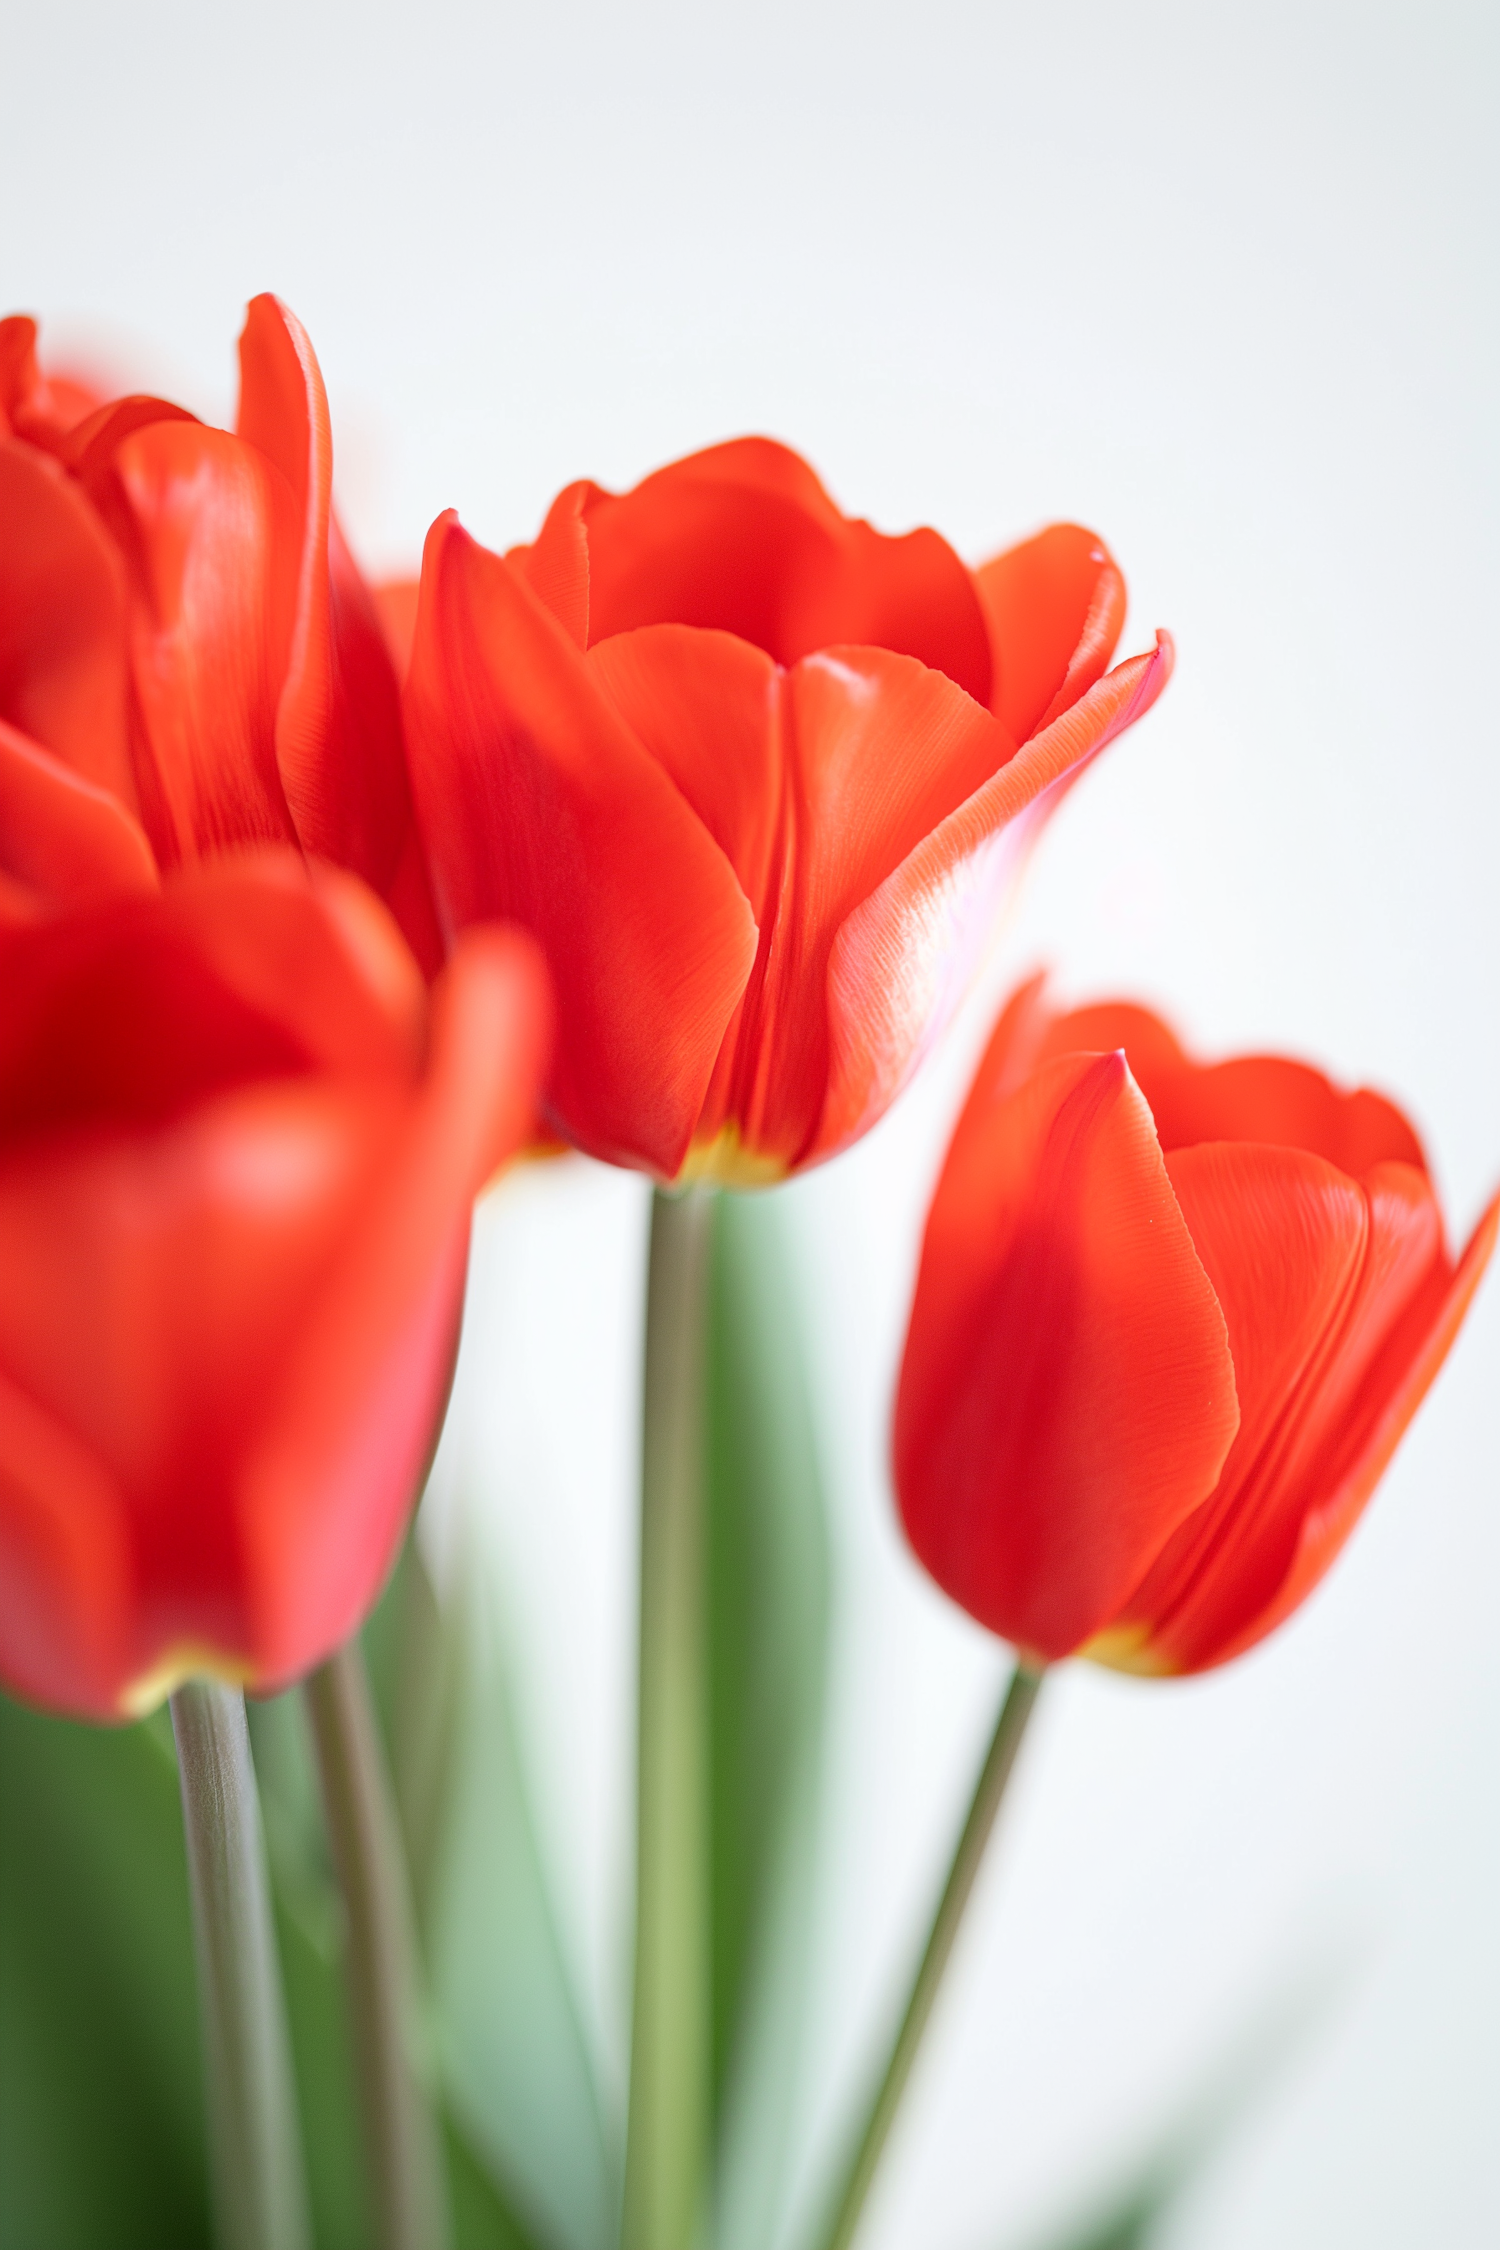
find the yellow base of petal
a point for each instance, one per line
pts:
(188, 1660)
(1127, 1648)
(726, 1162)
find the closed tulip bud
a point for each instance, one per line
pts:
(1170, 1323)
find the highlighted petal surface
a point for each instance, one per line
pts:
(1054, 606)
(538, 803)
(1067, 1396)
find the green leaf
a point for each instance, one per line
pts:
(768, 1568)
(102, 2139)
(407, 1663)
(482, 2220)
(101, 2108)
(514, 2057)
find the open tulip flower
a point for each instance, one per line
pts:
(239, 1143)
(1170, 1323)
(754, 776)
(189, 660)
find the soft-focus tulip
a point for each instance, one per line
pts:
(189, 660)
(754, 775)
(1171, 1321)
(239, 1143)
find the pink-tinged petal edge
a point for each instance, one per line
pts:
(904, 958)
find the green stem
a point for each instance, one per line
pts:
(667, 2133)
(403, 2150)
(1016, 1709)
(260, 2194)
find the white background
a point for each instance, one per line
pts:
(1221, 283)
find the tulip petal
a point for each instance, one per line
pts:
(814, 783)
(160, 1281)
(1395, 1382)
(89, 450)
(1267, 1098)
(62, 623)
(556, 564)
(1067, 1396)
(706, 707)
(40, 408)
(132, 1010)
(338, 721)
(904, 957)
(246, 1169)
(65, 1575)
(539, 804)
(63, 840)
(742, 538)
(18, 368)
(215, 537)
(1054, 606)
(1284, 1238)
(1151, 1048)
(351, 1433)
(1251, 1098)
(396, 607)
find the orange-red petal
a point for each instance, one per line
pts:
(1250, 1098)
(233, 1243)
(903, 957)
(815, 783)
(539, 804)
(1067, 1396)
(1285, 1238)
(42, 409)
(1054, 606)
(743, 538)
(64, 840)
(215, 536)
(135, 1009)
(555, 565)
(66, 1578)
(62, 623)
(327, 1492)
(338, 719)
(1394, 1380)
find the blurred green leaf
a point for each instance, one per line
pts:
(101, 2112)
(510, 2040)
(768, 1570)
(481, 2218)
(1132, 2225)
(310, 1928)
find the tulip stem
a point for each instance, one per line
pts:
(403, 2148)
(667, 2131)
(989, 1790)
(259, 2189)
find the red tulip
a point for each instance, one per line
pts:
(1170, 1323)
(753, 775)
(189, 660)
(239, 1142)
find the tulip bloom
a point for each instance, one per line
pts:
(189, 660)
(754, 775)
(1170, 1323)
(239, 1143)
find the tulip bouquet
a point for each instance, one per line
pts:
(674, 837)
